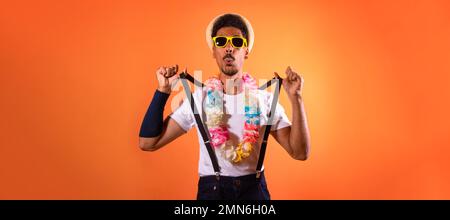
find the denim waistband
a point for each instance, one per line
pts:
(246, 178)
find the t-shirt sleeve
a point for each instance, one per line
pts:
(280, 119)
(183, 115)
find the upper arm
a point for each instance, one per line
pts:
(282, 137)
(281, 127)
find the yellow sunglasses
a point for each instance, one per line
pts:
(236, 41)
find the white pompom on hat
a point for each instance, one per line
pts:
(250, 34)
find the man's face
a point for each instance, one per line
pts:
(229, 59)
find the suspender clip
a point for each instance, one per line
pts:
(258, 174)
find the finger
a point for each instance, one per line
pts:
(295, 76)
(176, 68)
(289, 69)
(163, 71)
(172, 71)
(159, 71)
(289, 73)
(166, 69)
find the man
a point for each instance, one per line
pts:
(236, 135)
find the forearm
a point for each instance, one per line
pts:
(149, 144)
(299, 139)
(153, 143)
(152, 124)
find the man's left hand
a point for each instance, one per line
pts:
(293, 83)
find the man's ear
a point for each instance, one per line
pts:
(212, 54)
(246, 53)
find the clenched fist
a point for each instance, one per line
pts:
(293, 83)
(166, 75)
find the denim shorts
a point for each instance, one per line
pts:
(233, 188)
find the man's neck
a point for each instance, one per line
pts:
(232, 83)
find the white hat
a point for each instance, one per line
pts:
(250, 34)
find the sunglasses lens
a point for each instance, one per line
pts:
(221, 41)
(238, 42)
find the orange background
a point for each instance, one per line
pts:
(77, 78)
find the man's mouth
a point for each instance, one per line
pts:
(228, 61)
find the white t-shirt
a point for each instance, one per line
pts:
(234, 109)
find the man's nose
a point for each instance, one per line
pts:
(229, 48)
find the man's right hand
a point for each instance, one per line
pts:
(166, 75)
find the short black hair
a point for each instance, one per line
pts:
(230, 20)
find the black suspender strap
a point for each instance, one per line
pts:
(200, 125)
(262, 151)
(192, 79)
(268, 83)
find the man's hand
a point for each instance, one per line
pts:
(166, 75)
(293, 83)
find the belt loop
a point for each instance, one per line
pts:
(217, 176)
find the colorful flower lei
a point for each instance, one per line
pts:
(217, 126)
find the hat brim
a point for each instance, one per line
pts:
(251, 35)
